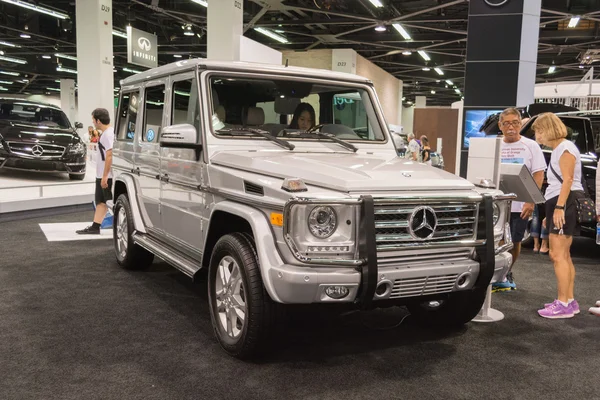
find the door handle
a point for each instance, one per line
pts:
(164, 178)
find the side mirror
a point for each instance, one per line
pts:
(181, 136)
(78, 125)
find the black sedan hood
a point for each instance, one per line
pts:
(18, 132)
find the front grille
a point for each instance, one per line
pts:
(49, 151)
(455, 222)
(395, 259)
(423, 286)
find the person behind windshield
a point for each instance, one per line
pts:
(304, 117)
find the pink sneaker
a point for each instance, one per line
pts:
(556, 311)
(574, 306)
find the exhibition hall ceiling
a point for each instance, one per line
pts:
(415, 40)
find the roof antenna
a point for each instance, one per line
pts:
(287, 62)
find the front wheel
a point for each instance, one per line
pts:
(129, 255)
(453, 311)
(241, 310)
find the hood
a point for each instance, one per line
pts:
(14, 131)
(345, 172)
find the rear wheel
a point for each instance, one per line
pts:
(455, 310)
(129, 255)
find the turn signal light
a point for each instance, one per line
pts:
(294, 185)
(277, 219)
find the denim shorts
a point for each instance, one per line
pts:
(518, 226)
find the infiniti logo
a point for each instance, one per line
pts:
(495, 3)
(422, 223)
(144, 44)
(37, 150)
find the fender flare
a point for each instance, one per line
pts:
(134, 201)
(263, 237)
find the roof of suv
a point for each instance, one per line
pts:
(185, 65)
(32, 102)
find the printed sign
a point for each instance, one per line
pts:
(142, 48)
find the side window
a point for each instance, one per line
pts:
(186, 107)
(155, 109)
(128, 111)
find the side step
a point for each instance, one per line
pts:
(185, 264)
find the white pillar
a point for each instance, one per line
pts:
(420, 101)
(225, 29)
(343, 60)
(94, 58)
(67, 99)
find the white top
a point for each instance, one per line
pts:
(554, 184)
(413, 147)
(104, 144)
(523, 151)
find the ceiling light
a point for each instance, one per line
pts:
(3, 89)
(71, 71)
(574, 21)
(550, 70)
(449, 82)
(3, 43)
(186, 94)
(424, 55)
(6, 82)
(376, 3)
(40, 9)
(439, 71)
(46, 57)
(581, 67)
(25, 36)
(119, 34)
(189, 33)
(177, 55)
(9, 73)
(402, 31)
(407, 53)
(457, 90)
(65, 56)
(53, 89)
(378, 28)
(433, 92)
(201, 2)
(272, 35)
(13, 60)
(404, 98)
(133, 71)
(426, 69)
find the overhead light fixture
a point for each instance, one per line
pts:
(581, 67)
(65, 56)
(40, 9)
(9, 73)
(272, 35)
(3, 43)
(433, 92)
(177, 55)
(46, 57)
(186, 94)
(426, 69)
(13, 60)
(201, 2)
(155, 103)
(133, 71)
(70, 71)
(3, 89)
(574, 21)
(53, 89)
(402, 31)
(424, 55)
(437, 81)
(407, 52)
(376, 3)
(119, 34)
(449, 82)
(457, 90)
(6, 83)
(404, 98)
(189, 33)
(550, 70)
(25, 36)
(378, 28)
(439, 71)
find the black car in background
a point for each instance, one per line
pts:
(579, 131)
(39, 137)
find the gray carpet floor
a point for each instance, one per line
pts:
(73, 325)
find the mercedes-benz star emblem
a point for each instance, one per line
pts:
(495, 3)
(422, 223)
(144, 44)
(37, 150)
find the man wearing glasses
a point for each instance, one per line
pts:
(519, 150)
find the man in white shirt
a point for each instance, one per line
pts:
(101, 120)
(519, 150)
(414, 149)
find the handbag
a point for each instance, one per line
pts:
(586, 210)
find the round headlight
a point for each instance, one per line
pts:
(496, 214)
(322, 221)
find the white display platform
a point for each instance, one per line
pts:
(24, 190)
(64, 232)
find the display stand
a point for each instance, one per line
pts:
(487, 313)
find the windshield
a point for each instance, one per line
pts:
(32, 114)
(284, 106)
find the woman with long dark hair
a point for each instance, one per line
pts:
(304, 117)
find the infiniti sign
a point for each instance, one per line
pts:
(144, 44)
(142, 48)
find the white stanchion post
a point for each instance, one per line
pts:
(487, 313)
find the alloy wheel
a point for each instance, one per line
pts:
(122, 232)
(230, 297)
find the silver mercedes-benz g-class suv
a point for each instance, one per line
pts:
(266, 177)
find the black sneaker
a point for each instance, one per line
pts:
(89, 231)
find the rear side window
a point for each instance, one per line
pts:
(128, 111)
(155, 109)
(186, 107)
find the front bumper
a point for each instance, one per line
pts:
(73, 165)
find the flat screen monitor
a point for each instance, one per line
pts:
(474, 119)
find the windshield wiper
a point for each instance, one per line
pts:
(315, 130)
(260, 132)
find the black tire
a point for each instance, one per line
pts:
(134, 256)
(76, 177)
(259, 308)
(453, 311)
